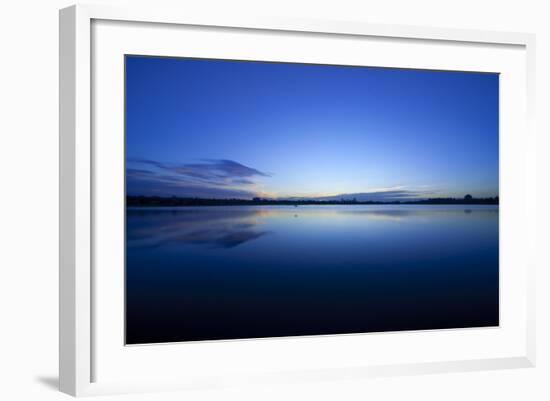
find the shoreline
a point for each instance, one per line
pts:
(168, 205)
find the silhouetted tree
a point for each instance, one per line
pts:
(177, 201)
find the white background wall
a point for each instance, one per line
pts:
(29, 185)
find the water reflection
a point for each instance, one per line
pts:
(212, 227)
(228, 227)
(263, 271)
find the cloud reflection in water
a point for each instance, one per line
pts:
(229, 227)
(215, 228)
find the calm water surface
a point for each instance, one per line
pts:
(203, 273)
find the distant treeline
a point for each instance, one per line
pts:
(176, 201)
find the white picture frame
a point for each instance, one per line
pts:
(79, 314)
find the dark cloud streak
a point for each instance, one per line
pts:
(384, 196)
(209, 178)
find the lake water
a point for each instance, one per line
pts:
(204, 273)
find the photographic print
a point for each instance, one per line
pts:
(270, 199)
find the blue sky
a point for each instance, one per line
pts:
(221, 129)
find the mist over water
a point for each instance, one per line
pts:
(204, 273)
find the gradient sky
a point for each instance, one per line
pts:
(220, 129)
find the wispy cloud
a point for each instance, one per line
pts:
(224, 178)
(214, 178)
(380, 195)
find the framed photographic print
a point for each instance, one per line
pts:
(277, 200)
(282, 199)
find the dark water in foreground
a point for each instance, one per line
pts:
(263, 271)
